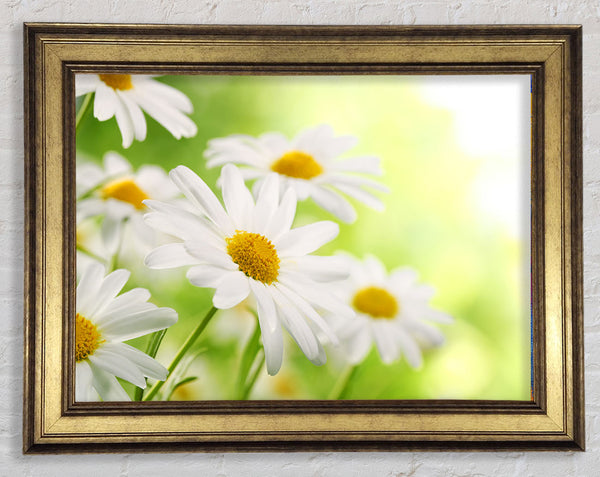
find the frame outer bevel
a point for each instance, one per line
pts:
(60, 429)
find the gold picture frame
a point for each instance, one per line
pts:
(554, 419)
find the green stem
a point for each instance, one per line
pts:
(82, 249)
(113, 262)
(90, 192)
(343, 383)
(83, 109)
(253, 377)
(182, 351)
(248, 357)
(151, 350)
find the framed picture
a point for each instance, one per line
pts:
(302, 238)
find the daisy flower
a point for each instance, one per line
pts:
(103, 321)
(117, 193)
(391, 310)
(125, 96)
(307, 164)
(249, 249)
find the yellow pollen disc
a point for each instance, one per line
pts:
(125, 190)
(377, 302)
(297, 164)
(121, 82)
(255, 255)
(87, 338)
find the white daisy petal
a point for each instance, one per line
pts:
(88, 286)
(116, 364)
(85, 84)
(124, 122)
(356, 181)
(283, 217)
(115, 165)
(111, 233)
(438, 317)
(303, 240)
(170, 94)
(273, 346)
(302, 187)
(105, 102)
(428, 333)
(177, 123)
(362, 196)
(296, 325)
(346, 328)
(108, 318)
(236, 150)
(232, 290)
(200, 194)
(148, 366)
(265, 303)
(266, 203)
(209, 255)
(111, 286)
(364, 164)
(206, 276)
(249, 174)
(135, 113)
(374, 269)
(84, 390)
(403, 278)
(309, 312)
(315, 294)
(313, 139)
(273, 143)
(270, 328)
(129, 302)
(139, 324)
(322, 269)
(359, 344)
(409, 347)
(89, 208)
(334, 203)
(151, 179)
(388, 350)
(237, 198)
(107, 385)
(171, 255)
(321, 357)
(172, 220)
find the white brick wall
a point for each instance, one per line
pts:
(14, 12)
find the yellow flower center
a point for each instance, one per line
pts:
(125, 190)
(121, 82)
(255, 255)
(377, 302)
(87, 338)
(297, 164)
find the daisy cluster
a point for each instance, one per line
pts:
(243, 245)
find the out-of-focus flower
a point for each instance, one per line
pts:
(249, 248)
(125, 96)
(103, 321)
(309, 164)
(117, 193)
(392, 311)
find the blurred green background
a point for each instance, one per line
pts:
(433, 222)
